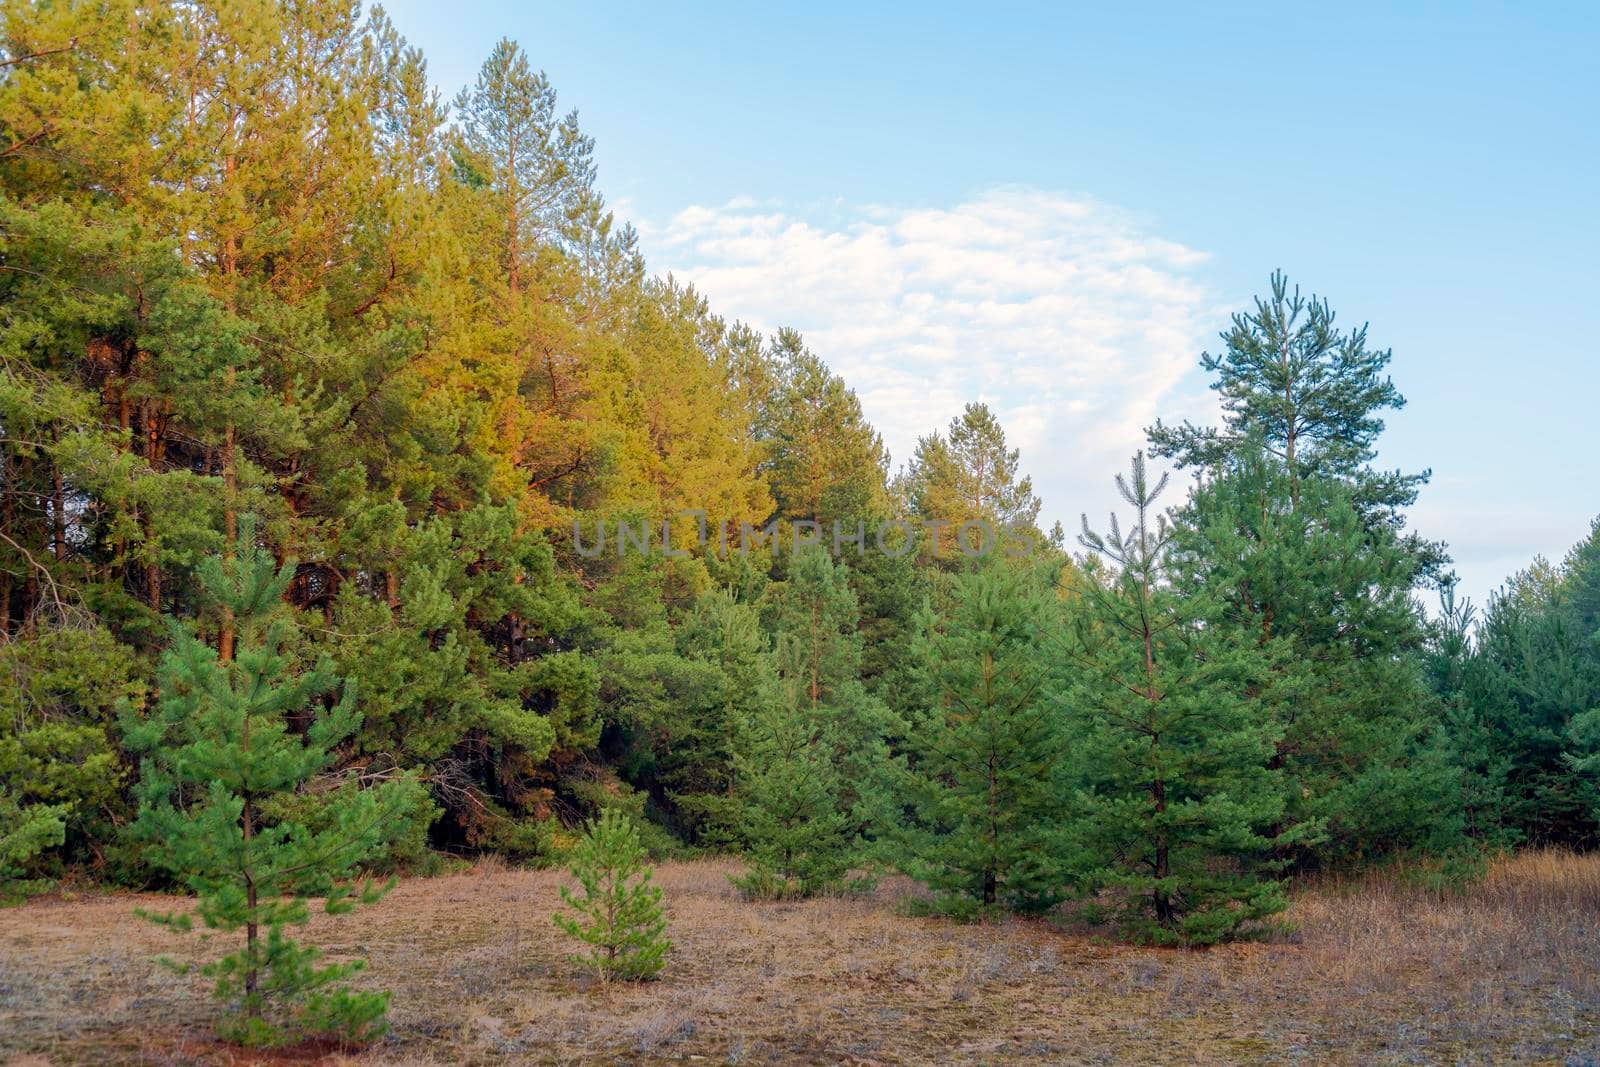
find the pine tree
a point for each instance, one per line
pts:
(60, 686)
(985, 755)
(816, 619)
(619, 914)
(792, 813)
(1458, 675)
(1579, 603)
(811, 762)
(700, 741)
(1178, 811)
(825, 461)
(827, 465)
(662, 701)
(969, 475)
(228, 740)
(1523, 703)
(1521, 691)
(465, 672)
(663, 397)
(540, 163)
(1296, 565)
(1299, 539)
(554, 278)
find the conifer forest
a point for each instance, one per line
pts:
(430, 633)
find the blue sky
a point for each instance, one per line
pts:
(1055, 210)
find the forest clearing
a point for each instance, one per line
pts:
(838, 590)
(1374, 972)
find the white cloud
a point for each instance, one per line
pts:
(1060, 312)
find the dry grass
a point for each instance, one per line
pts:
(1376, 973)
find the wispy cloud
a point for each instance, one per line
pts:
(1062, 313)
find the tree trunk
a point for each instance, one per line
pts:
(230, 519)
(1163, 863)
(252, 932)
(58, 512)
(152, 456)
(7, 515)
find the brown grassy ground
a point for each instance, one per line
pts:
(1375, 973)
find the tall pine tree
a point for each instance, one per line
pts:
(812, 763)
(1178, 811)
(1298, 538)
(984, 755)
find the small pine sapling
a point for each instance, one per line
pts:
(619, 913)
(230, 737)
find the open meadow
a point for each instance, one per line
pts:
(1373, 972)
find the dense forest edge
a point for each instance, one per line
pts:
(365, 503)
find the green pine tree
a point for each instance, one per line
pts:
(619, 913)
(1171, 742)
(1299, 539)
(985, 753)
(812, 762)
(824, 460)
(1460, 677)
(816, 620)
(724, 638)
(230, 738)
(1311, 394)
(791, 811)
(1298, 565)
(1579, 604)
(1524, 705)
(59, 689)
